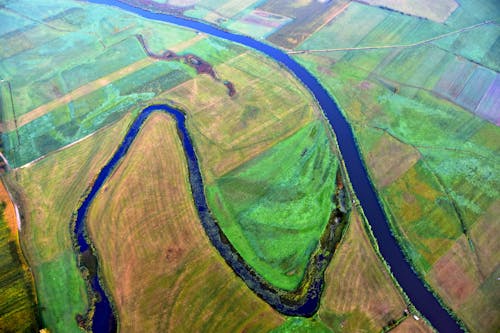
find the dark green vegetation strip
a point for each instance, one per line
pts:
(18, 312)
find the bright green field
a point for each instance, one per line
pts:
(274, 208)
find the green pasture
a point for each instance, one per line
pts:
(18, 309)
(274, 208)
(11, 23)
(118, 56)
(479, 45)
(89, 43)
(302, 325)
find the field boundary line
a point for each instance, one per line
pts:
(422, 42)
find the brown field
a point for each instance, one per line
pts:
(410, 325)
(390, 159)
(163, 273)
(433, 10)
(466, 278)
(359, 290)
(18, 308)
(9, 211)
(269, 106)
(51, 190)
(309, 16)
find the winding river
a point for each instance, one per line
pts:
(422, 298)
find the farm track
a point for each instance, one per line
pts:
(402, 46)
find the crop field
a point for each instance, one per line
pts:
(308, 16)
(51, 190)
(258, 23)
(413, 326)
(470, 287)
(69, 122)
(158, 263)
(275, 207)
(18, 308)
(425, 120)
(359, 294)
(421, 92)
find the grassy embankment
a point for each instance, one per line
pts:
(18, 307)
(163, 273)
(50, 192)
(419, 127)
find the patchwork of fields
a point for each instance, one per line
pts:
(420, 88)
(426, 119)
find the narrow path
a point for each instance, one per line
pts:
(398, 46)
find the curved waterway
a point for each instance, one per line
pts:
(422, 298)
(305, 303)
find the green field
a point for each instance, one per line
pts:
(275, 207)
(434, 162)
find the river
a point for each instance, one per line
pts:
(419, 295)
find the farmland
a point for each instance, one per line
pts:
(156, 258)
(227, 131)
(53, 134)
(18, 308)
(359, 293)
(274, 213)
(50, 191)
(425, 121)
(420, 91)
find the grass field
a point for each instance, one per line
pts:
(163, 273)
(309, 16)
(418, 114)
(18, 308)
(432, 10)
(275, 207)
(50, 192)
